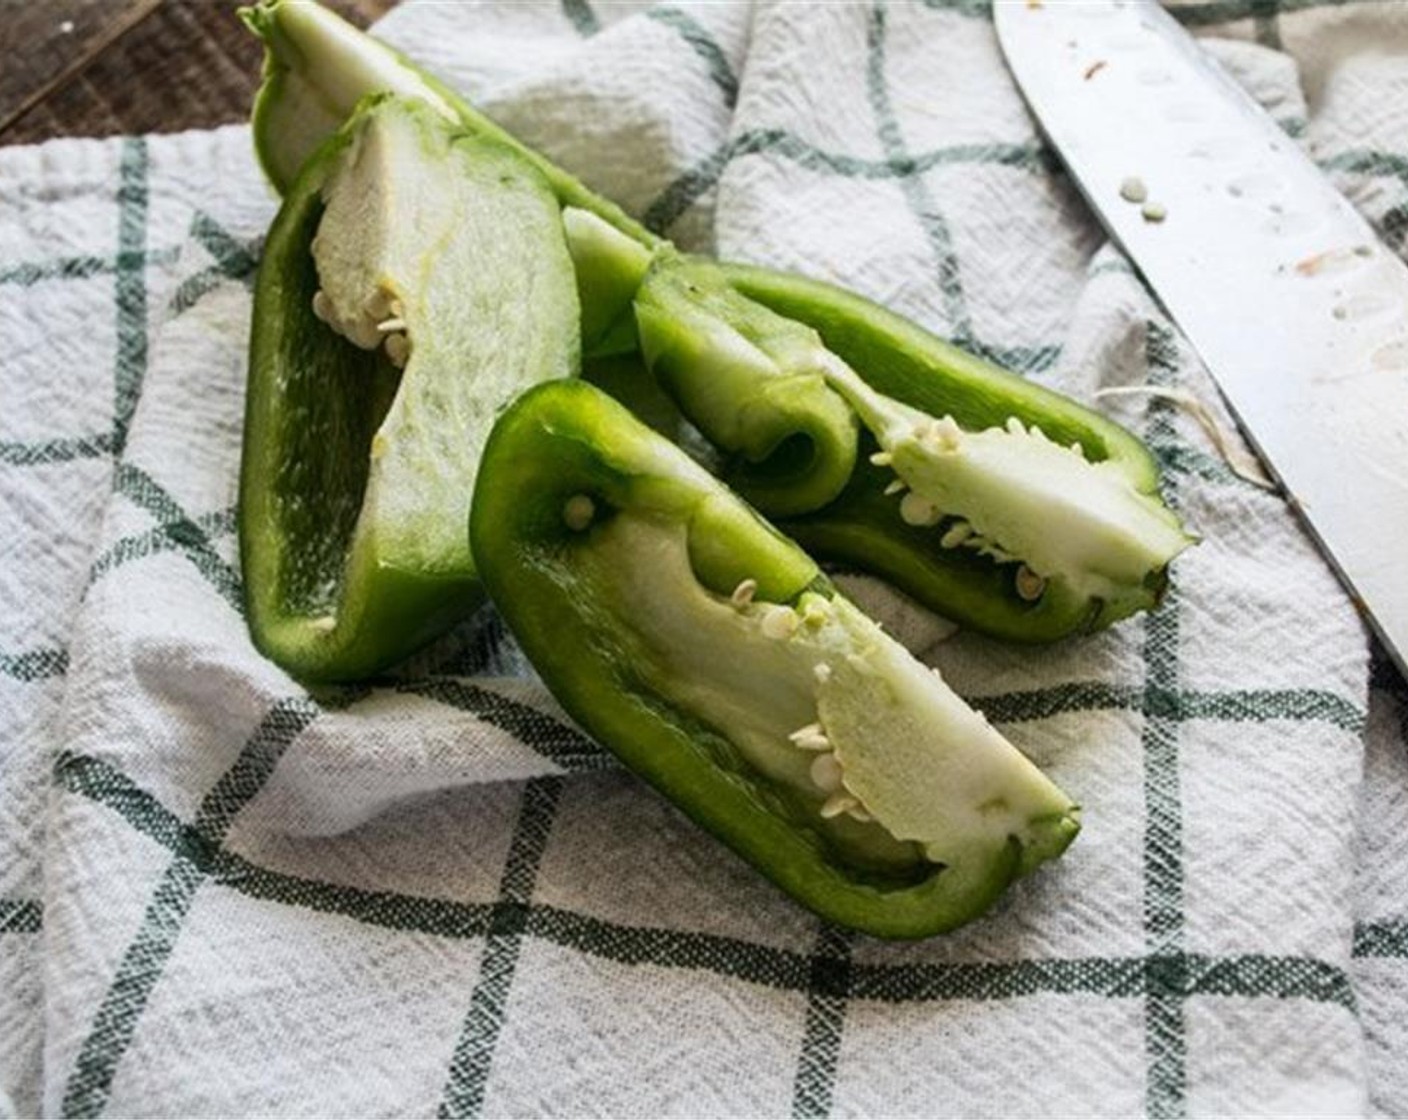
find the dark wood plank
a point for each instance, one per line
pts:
(183, 64)
(45, 43)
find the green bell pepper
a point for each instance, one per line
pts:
(1001, 505)
(713, 657)
(402, 243)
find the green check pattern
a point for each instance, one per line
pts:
(432, 894)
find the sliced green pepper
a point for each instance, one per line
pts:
(714, 658)
(992, 500)
(1004, 506)
(401, 244)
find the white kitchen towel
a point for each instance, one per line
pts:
(221, 895)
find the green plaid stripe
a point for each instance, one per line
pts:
(1191, 463)
(1387, 938)
(34, 664)
(555, 741)
(60, 450)
(132, 198)
(1300, 705)
(1260, 11)
(463, 1094)
(728, 957)
(26, 274)
(128, 266)
(1165, 1044)
(111, 1031)
(21, 915)
(236, 257)
(829, 984)
(102, 783)
(579, 13)
(917, 194)
(1256, 975)
(1020, 359)
(1392, 224)
(1368, 161)
(169, 535)
(115, 1022)
(703, 44)
(189, 537)
(234, 260)
(1245, 975)
(974, 9)
(695, 182)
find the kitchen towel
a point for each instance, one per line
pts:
(221, 895)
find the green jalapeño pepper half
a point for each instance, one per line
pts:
(414, 281)
(711, 655)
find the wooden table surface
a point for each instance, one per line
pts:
(108, 67)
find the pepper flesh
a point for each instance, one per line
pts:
(355, 476)
(713, 657)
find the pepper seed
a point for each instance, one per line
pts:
(743, 593)
(826, 773)
(578, 511)
(915, 509)
(1029, 584)
(779, 622)
(837, 804)
(398, 350)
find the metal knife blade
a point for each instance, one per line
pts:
(1298, 310)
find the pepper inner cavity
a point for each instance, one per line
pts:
(745, 666)
(876, 753)
(446, 253)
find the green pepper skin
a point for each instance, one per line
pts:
(902, 360)
(339, 586)
(565, 442)
(740, 373)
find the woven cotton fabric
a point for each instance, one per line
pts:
(221, 895)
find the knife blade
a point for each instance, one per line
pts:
(1282, 287)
